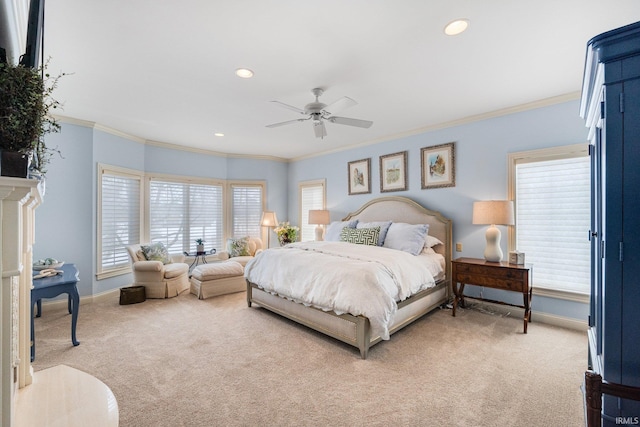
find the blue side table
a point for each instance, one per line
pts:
(51, 287)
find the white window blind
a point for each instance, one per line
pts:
(119, 220)
(553, 199)
(180, 213)
(246, 210)
(311, 198)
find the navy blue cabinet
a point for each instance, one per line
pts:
(610, 106)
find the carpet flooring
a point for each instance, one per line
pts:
(189, 362)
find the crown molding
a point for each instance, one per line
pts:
(572, 96)
(115, 132)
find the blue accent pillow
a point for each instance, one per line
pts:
(384, 227)
(332, 233)
(406, 237)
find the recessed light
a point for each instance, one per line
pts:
(456, 27)
(245, 73)
(218, 134)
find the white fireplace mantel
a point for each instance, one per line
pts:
(19, 198)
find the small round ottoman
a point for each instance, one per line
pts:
(218, 278)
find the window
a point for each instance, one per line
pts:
(246, 209)
(181, 212)
(552, 198)
(174, 210)
(119, 218)
(312, 196)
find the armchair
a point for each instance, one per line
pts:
(254, 247)
(160, 280)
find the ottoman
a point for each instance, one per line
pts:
(218, 278)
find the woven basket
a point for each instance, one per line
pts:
(132, 295)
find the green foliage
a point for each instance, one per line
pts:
(26, 104)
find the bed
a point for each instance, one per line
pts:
(359, 330)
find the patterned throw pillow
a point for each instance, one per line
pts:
(238, 247)
(156, 252)
(360, 236)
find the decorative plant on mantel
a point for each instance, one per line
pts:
(26, 104)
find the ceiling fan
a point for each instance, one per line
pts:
(319, 113)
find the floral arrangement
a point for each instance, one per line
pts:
(286, 232)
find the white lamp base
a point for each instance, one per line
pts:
(493, 252)
(319, 233)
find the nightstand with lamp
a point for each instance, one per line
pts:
(492, 272)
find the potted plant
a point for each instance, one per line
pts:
(200, 247)
(25, 107)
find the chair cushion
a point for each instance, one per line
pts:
(218, 270)
(175, 269)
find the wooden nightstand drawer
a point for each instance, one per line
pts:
(492, 282)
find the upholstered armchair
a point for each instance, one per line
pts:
(253, 248)
(160, 280)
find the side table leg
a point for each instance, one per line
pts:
(75, 298)
(33, 335)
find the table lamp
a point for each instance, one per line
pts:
(269, 220)
(493, 212)
(320, 218)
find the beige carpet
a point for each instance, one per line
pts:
(186, 362)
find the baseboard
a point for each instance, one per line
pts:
(61, 304)
(536, 316)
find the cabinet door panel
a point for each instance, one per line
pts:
(631, 235)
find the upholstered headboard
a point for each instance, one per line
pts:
(402, 209)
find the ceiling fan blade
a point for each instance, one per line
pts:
(288, 122)
(289, 107)
(319, 129)
(339, 105)
(350, 122)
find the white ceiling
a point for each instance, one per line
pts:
(163, 70)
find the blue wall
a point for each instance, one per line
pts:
(66, 223)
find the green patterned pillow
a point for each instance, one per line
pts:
(360, 236)
(238, 247)
(156, 252)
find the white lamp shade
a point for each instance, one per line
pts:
(493, 212)
(319, 217)
(269, 219)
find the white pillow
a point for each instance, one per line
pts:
(406, 237)
(430, 241)
(384, 228)
(332, 233)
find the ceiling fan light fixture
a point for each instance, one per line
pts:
(218, 134)
(245, 73)
(456, 27)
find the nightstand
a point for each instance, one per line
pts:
(496, 275)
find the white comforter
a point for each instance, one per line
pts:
(343, 277)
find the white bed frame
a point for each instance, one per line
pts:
(355, 330)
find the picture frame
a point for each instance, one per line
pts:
(438, 166)
(393, 172)
(359, 175)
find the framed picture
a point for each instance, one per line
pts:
(359, 172)
(393, 172)
(438, 166)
